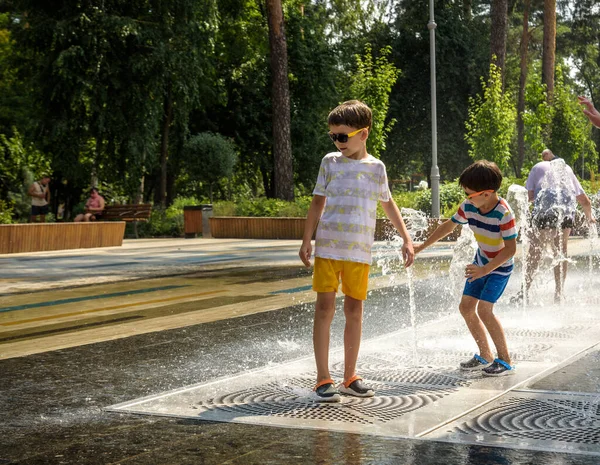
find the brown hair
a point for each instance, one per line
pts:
(352, 113)
(480, 176)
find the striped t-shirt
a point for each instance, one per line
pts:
(352, 189)
(491, 230)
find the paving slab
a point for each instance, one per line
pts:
(419, 390)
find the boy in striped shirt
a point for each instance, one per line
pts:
(493, 224)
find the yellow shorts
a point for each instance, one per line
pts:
(354, 276)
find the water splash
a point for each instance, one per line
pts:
(555, 201)
(464, 252)
(517, 198)
(416, 223)
(593, 233)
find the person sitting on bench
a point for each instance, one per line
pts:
(93, 207)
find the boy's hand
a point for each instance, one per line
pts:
(408, 254)
(305, 254)
(473, 272)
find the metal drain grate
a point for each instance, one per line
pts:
(547, 420)
(528, 333)
(398, 392)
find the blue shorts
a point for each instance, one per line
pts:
(489, 287)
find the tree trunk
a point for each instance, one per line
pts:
(549, 48)
(280, 97)
(522, 84)
(139, 199)
(97, 155)
(499, 15)
(164, 148)
(467, 9)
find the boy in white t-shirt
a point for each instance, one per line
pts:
(349, 185)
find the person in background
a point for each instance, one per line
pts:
(554, 191)
(40, 199)
(93, 207)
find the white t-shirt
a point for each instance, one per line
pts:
(346, 230)
(554, 186)
(41, 189)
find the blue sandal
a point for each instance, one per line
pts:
(476, 363)
(499, 368)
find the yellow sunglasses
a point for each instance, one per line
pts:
(343, 138)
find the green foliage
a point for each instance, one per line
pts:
(88, 83)
(451, 196)
(210, 157)
(6, 212)
(462, 56)
(491, 122)
(571, 131)
(537, 116)
(20, 164)
(317, 81)
(264, 207)
(372, 83)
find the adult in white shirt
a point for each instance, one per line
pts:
(554, 191)
(40, 199)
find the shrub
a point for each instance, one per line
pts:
(262, 206)
(6, 212)
(451, 196)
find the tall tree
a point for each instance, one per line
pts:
(280, 96)
(549, 46)
(522, 84)
(498, 33)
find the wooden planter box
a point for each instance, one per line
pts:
(385, 230)
(38, 237)
(245, 227)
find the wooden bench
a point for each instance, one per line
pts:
(127, 212)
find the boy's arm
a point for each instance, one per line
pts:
(393, 213)
(312, 219)
(442, 231)
(473, 272)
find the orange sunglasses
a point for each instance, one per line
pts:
(477, 194)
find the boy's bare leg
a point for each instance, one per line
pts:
(468, 310)
(324, 311)
(353, 310)
(492, 324)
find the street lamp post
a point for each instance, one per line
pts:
(435, 172)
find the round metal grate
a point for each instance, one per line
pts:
(546, 419)
(398, 392)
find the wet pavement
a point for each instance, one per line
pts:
(59, 375)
